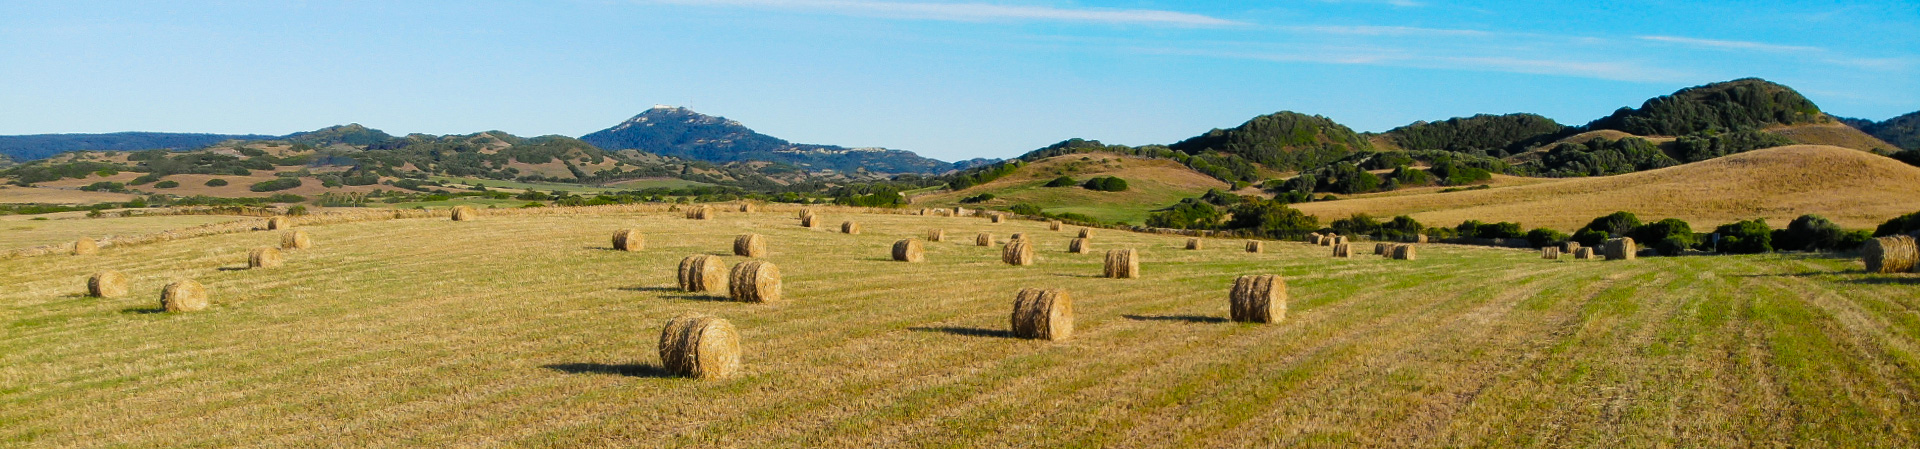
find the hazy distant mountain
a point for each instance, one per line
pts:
(41, 146)
(681, 132)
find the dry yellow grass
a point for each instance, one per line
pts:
(1833, 134)
(18, 231)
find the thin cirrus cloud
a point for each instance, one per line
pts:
(1731, 45)
(973, 12)
(1389, 57)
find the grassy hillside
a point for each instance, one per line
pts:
(1833, 134)
(1853, 188)
(525, 331)
(1152, 184)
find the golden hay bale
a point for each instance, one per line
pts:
(1569, 247)
(1313, 237)
(1550, 253)
(1122, 264)
(1419, 238)
(850, 228)
(465, 213)
(1043, 314)
(702, 212)
(183, 296)
(909, 250)
(85, 247)
(265, 257)
(703, 273)
(1342, 250)
(1404, 252)
(804, 212)
(936, 235)
(984, 239)
(746, 208)
(959, 212)
(996, 218)
(1080, 246)
(296, 239)
(1582, 253)
(1621, 249)
(1017, 252)
(107, 284)
(750, 245)
(1380, 249)
(700, 346)
(1256, 246)
(1086, 233)
(278, 223)
(1195, 243)
(1053, 225)
(629, 240)
(1892, 254)
(1017, 236)
(810, 221)
(1327, 240)
(755, 281)
(1258, 299)
(1339, 240)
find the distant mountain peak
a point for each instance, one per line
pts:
(681, 132)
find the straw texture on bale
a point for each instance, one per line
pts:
(265, 257)
(1256, 246)
(278, 223)
(1550, 253)
(107, 284)
(996, 218)
(700, 346)
(746, 208)
(750, 245)
(1043, 314)
(1258, 299)
(629, 240)
(1313, 237)
(1328, 240)
(1419, 238)
(850, 228)
(1122, 264)
(1017, 252)
(984, 239)
(1380, 249)
(936, 235)
(1086, 233)
(1342, 250)
(1569, 246)
(755, 281)
(700, 213)
(1891, 254)
(183, 296)
(1195, 243)
(909, 250)
(465, 213)
(703, 273)
(1017, 236)
(1582, 253)
(1080, 246)
(296, 239)
(1404, 252)
(1053, 225)
(85, 247)
(1621, 249)
(810, 221)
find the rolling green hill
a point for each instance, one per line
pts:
(1152, 184)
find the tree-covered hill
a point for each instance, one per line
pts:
(41, 146)
(1283, 140)
(1743, 104)
(683, 133)
(1902, 131)
(350, 134)
(1493, 134)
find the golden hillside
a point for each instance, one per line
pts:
(1834, 134)
(1853, 188)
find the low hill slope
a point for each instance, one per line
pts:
(1834, 134)
(1151, 184)
(1853, 188)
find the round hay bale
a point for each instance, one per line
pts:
(1122, 264)
(703, 273)
(1891, 254)
(702, 212)
(1256, 246)
(1313, 237)
(183, 296)
(1550, 253)
(296, 239)
(85, 247)
(265, 257)
(909, 250)
(107, 284)
(746, 208)
(278, 223)
(465, 213)
(1258, 299)
(629, 240)
(1043, 314)
(1569, 246)
(1404, 252)
(700, 346)
(810, 221)
(936, 235)
(1053, 225)
(1342, 250)
(804, 213)
(1018, 253)
(959, 212)
(750, 245)
(1582, 253)
(1086, 233)
(755, 281)
(1621, 249)
(984, 239)
(1080, 246)
(1419, 238)
(996, 218)
(1380, 249)
(850, 228)
(1327, 240)
(1017, 236)
(1195, 243)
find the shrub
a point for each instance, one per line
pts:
(1614, 224)
(144, 179)
(297, 210)
(981, 198)
(166, 184)
(1273, 219)
(275, 185)
(1543, 237)
(1809, 233)
(1358, 224)
(1106, 184)
(286, 198)
(1745, 237)
(1590, 237)
(1852, 240)
(1903, 224)
(1670, 236)
(1062, 181)
(105, 186)
(1188, 214)
(216, 182)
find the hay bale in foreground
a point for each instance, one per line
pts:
(1891, 254)
(1256, 246)
(1550, 253)
(909, 250)
(850, 227)
(1018, 253)
(755, 281)
(107, 284)
(1043, 314)
(1342, 250)
(1086, 233)
(296, 239)
(936, 235)
(1258, 299)
(278, 223)
(465, 213)
(265, 257)
(1582, 253)
(183, 296)
(750, 245)
(629, 240)
(1080, 246)
(700, 346)
(1621, 249)
(703, 273)
(1122, 264)
(85, 247)
(984, 239)
(1404, 252)
(1194, 243)
(1053, 225)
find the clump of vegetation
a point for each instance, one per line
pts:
(1062, 181)
(1745, 237)
(981, 198)
(275, 185)
(1106, 184)
(166, 184)
(216, 182)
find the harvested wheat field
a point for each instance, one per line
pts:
(408, 333)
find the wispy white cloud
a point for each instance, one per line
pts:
(1399, 3)
(1732, 45)
(1389, 31)
(1388, 57)
(973, 12)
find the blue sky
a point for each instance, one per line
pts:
(949, 79)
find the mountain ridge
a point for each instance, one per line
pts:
(681, 132)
